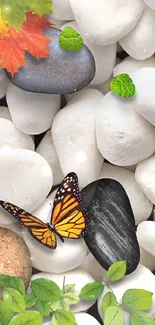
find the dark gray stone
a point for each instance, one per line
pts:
(111, 234)
(63, 72)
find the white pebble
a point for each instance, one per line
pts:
(15, 227)
(147, 259)
(4, 113)
(124, 137)
(79, 277)
(62, 10)
(58, 23)
(150, 3)
(140, 43)
(73, 133)
(81, 319)
(146, 236)
(4, 81)
(130, 65)
(31, 113)
(105, 22)
(10, 135)
(141, 278)
(67, 256)
(140, 204)
(26, 178)
(144, 80)
(145, 172)
(93, 267)
(105, 56)
(47, 150)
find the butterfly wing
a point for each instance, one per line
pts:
(68, 217)
(37, 228)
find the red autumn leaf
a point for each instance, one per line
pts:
(29, 38)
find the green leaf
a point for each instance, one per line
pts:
(141, 318)
(5, 314)
(70, 40)
(30, 300)
(14, 13)
(116, 271)
(108, 300)
(137, 299)
(92, 291)
(123, 86)
(43, 307)
(46, 290)
(14, 299)
(18, 284)
(64, 305)
(114, 316)
(39, 7)
(55, 305)
(27, 318)
(64, 317)
(70, 298)
(4, 280)
(69, 288)
(54, 321)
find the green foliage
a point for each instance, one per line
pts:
(116, 271)
(70, 40)
(27, 318)
(17, 283)
(64, 317)
(5, 314)
(30, 300)
(123, 86)
(70, 298)
(46, 290)
(114, 316)
(69, 288)
(4, 280)
(141, 318)
(92, 291)
(13, 299)
(43, 307)
(108, 300)
(137, 299)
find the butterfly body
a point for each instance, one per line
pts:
(68, 218)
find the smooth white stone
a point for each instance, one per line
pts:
(31, 113)
(4, 113)
(73, 133)
(130, 65)
(140, 204)
(147, 259)
(10, 135)
(67, 256)
(144, 175)
(150, 3)
(81, 319)
(141, 278)
(16, 227)
(62, 10)
(144, 80)
(105, 22)
(58, 23)
(93, 267)
(26, 178)
(132, 168)
(79, 277)
(124, 137)
(119, 48)
(146, 236)
(105, 86)
(44, 211)
(47, 150)
(140, 42)
(4, 81)
(105, 56)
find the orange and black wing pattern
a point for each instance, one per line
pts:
(68, 216)
(37, 228)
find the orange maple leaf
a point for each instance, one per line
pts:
(29, 38)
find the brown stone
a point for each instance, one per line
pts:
(15, 258)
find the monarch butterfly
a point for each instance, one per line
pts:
(68, 218)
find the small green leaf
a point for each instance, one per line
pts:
(116, 271)
(69, 288)
(30, 300)
(114, 316)
(92, 291)
(14, 299)
(43, 307)
(5, 314)
(46, 290)
(64, 317)
(4, 280)
(18, 284)
(29, 317)
(141, 318)
(123, 85)
(137, 299)
(55, 305)
(41, 7)
(13, 12)
(70, 40)
(54, 321)
(70, 298)
(108, 300)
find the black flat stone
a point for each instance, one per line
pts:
(111, 232)
(63, 72)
